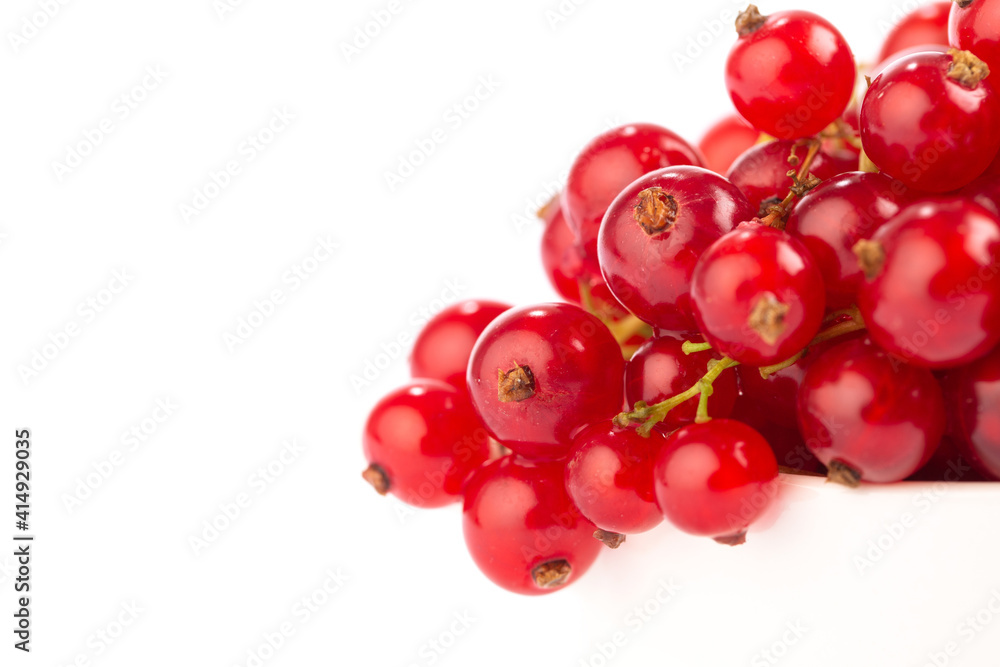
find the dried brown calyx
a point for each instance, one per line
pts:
(966, 68)
(841, 473)
(551, 574)
(517, 384)
(871, 257)
(767, 318)
(656, 210)
(749, 20)
(611, 540)
(376, 476)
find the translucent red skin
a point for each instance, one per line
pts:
(834, 216)
(517, 515)
(427, 439)
(926, 129)
(924, 25)
(733, 274)
(609, 475)
(577, 367)
(442, 348)
(714, 479)
(787, 444)
(985, 190)
(725, 141)
(976, 28)
(792, 76)
(936, 301)
(650, 275)
(775, 397)
(977, 389)
(659, 369)
(610, 162)
(878, 415)
(761, 172)
(565, 265)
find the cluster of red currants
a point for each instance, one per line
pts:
(815, 284)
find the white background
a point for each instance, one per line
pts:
(460, 223)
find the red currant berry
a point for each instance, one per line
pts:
(932, 120)
(725, 141)
(973, 26)
(523, 530)
(660, 369)
(775, 397)
(422, 441)
(951, 462)
(715, 479)
(653, 234)
(539, 373)
(833, 217)
(609, 163)
(789, 74)
(758, 296)
(442, 349)
(931, 294)
(761, 173)
(977, 393)
(567, 269)
(868, 416)
(609, 475)
(924, 25)
(787, 444)
(985, 190)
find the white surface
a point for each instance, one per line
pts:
(453, 226)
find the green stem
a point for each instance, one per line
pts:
(690, 347)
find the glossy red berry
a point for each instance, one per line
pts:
(789, 74)
(761, 172)
(977, 395)
(660, 369)
(422, 441)
(715, 479)
(775, 397)
(567, 269)
(833, 217)
(609, 475)
(522, 528)
(923, 26)
(932, 120)
(725, 141)
(931, 294)
(973, 25)
(539, 373)
(758, 295)
(654, 233)
(441, 350)
(610, 162)
(868, 416)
